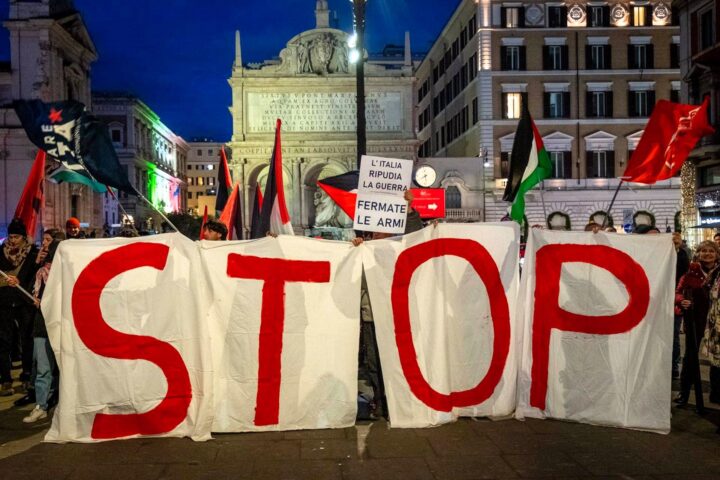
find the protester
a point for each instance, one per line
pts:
(370, 370)
(42, 352)
(214, 231)
(592, 227)
(72, 229)
(18, 263)
(716, 238)
(681, 268)
(692, 298)
(712, 339)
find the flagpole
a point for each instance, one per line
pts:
(25, 292)
(612, 202)
(542, 199)
(157, 210)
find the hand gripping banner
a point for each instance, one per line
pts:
(443, 301)
(122, 317)
(598, 320)
(285, 324)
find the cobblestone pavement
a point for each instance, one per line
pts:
(467, 449)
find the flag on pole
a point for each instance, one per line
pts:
(202, 225)
(670, 135)
(75, 173)
(529, 165)
(342, 189)
(274, 216)
(75, 137)
(33, 196)
(257, 207)
(232, 216)
(224, 182)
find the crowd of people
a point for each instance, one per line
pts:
(23, 335)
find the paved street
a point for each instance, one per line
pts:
(468, 449)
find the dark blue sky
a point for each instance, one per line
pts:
(176, 55)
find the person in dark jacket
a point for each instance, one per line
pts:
(17, 261)
(681, 268)
(693, 299)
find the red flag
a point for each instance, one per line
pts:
(32, 199)
(669, 136)
(231, 216)
(202, 226)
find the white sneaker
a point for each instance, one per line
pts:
(36, 414)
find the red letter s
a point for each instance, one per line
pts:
(99, 337)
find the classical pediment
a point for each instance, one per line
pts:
(74, 25)
(322, 51)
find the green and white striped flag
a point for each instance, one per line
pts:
(74, 173)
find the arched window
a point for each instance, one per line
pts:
(452, 197)
(599, 216)
(559, 221)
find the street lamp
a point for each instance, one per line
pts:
(356, 56)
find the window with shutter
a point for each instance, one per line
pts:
(608, 104)
(610, 164)
(650, 56)
(567, 169)
(522, 65)
(504, 164)
(566, 104)
(589, 165)
(546, 105)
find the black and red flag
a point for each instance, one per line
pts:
(257, 207)
(224, 182)
(274, 217)
(33, 196)
(343, 190)
(232, 216)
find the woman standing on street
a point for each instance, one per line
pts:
(693, 298)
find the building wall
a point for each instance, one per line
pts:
(154, 156)
(50, 57)
(488, 134)
(202, 175)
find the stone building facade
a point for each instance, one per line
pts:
(700, 67)
(590, 73)
(311, 88)
(155, 159)
(203, 160)
(51, 54)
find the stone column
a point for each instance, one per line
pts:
(297, 193)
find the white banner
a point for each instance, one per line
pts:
(380, 206)
(124, 319)
(285, 328)
(443, 301)
(598, 320)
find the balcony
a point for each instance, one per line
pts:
(593, 184)
(463, 215)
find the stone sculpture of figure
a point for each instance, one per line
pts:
(303, 65)
(341, 53)
(322, 52)
(325, 210)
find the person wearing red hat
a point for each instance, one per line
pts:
(72, 229)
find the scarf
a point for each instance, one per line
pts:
(16, 254)
(41, 279)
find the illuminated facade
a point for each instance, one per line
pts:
(590, 72)
(700, 66)
(50, 57)
(154, 156)
(311, 87)
(203, 160)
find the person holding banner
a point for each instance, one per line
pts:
(214, 231)
(692, 297)
(17, 262)
(712, 340)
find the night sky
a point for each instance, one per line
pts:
(178, 60)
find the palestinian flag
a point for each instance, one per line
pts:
(274, 216)
(224, 182)
(73, 173)
(257, 207)
(231, 216)
(343, 190)
(529, 165)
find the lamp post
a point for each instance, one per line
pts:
(357, 56)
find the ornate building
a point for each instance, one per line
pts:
(155, 159)
(700, 66)
(203, 160)
(590, 73)
(311, 88)
(50, 57)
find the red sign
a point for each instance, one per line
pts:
(429, 202)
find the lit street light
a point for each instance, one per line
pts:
(357, 57)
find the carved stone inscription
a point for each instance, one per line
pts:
(322, 112)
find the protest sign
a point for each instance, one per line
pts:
(598, 320)
(125, 319)
(443, 301)
(380, 206)
(285, 327)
